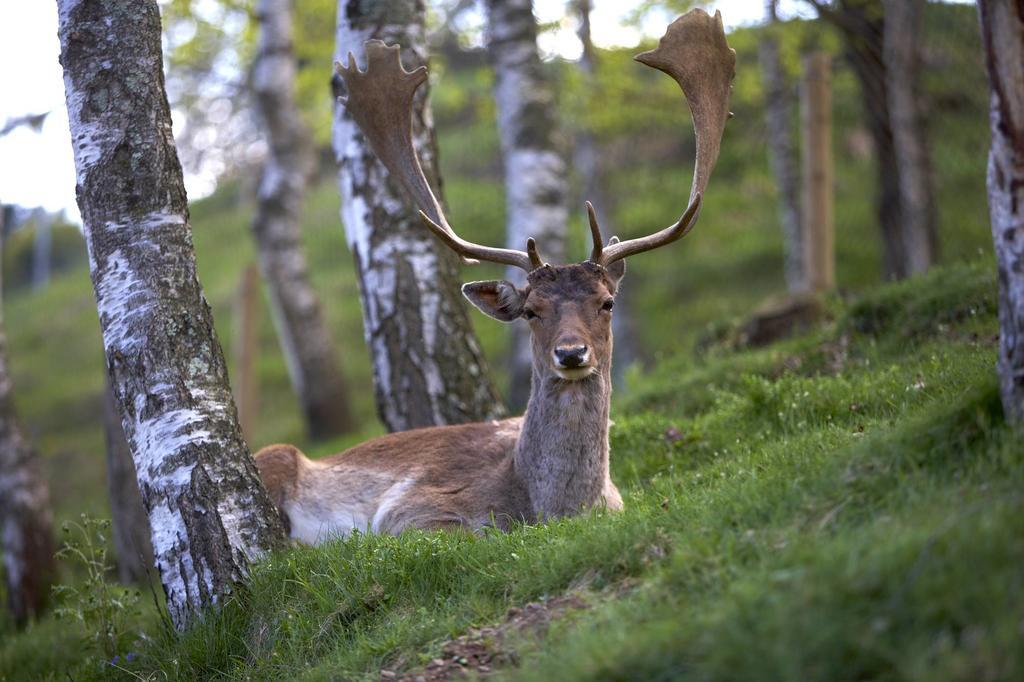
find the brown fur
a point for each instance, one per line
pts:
(551, 462)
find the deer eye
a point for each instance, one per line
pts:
(608, 305)
(529, 314)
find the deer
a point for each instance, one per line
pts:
(554, 460)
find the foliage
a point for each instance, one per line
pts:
(105, 611)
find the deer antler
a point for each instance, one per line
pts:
(380, 102)
(694, 52)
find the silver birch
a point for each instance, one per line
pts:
(427, 363)
(208, 512)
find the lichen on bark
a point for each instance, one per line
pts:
(428, 365)
(210, 515)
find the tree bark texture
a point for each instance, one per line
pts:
(779, 110)
(132, 543)
(861, 24)
(305, 338)
(1002, 30)
(587, 159)
(209, 513)
(26, 522)
(536, 179)
(903, 26)
(427, 363)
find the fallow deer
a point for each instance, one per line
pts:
(552, 461)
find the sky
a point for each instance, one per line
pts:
(37, 168)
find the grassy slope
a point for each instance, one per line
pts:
(842, 505)
(840, 499)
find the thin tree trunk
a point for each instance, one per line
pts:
(26, 522)
(209, 514)
(536, 181)
(427, 363)
(816, 120)
(861, 24)
(42, 250)
(587, 159)
(131, 526)
(903, 19)
(306, 340)
(1002, 30)
(779, 107)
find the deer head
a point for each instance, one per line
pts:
(568, 307)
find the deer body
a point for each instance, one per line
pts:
(554, 460)
(551, 462)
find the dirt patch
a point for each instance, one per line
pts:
(484, 650)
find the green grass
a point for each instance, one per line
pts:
(823, 519)
(842, 504)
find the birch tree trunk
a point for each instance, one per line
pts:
(209, 514)
(26, 522)
(587, 159)
(427, 363)
(131, 525)
(778, 112)
(1002, 31)
(306, 341)
(903, 19)
(536, 180)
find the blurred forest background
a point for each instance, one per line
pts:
(676, 298)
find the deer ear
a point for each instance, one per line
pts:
(617, 269)
(496, 298)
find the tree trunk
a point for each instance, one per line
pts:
(778, 111)
(587, 159)
(427, 363)
(131, 526)
(903, 19)
(42, 252)
(305, 338)
(536, 180)
(26, 522)
(819, 257)
(210, 515)
(861, 24)
(1002, 30)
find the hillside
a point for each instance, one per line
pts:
(843, 504)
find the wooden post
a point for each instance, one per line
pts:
(246, 351)
(816, 123)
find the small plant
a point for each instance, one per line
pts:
(103, 609)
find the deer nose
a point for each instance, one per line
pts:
(571, 356)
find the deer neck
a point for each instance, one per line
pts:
(562, 452)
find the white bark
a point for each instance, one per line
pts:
(130, 525)
(208, 511)
(1002, 29)
(428, 366)
(536, 179)
(306, 340)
